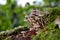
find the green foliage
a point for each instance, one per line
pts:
(52, 3)
(48, 34)
(6, 12)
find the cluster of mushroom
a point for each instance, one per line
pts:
(36, 20)
(22, 36)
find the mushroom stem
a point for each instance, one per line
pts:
(23, 35)
(23, 32)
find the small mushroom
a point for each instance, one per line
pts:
(57, 21)
(26, 18)
(34, 12)
(36, 25)
(37, 17)
(32, 20)
(23, 32)
(31, 29)
(41, 14)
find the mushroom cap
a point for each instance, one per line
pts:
(23, 31)
(31, 29)
(37, 12)
(41, 13)
(37, 17)
(36, 25)
(57, 21)
(26, 18)
(33, 12)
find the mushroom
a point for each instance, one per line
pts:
(26, 18)
(41, 14)
(36, 26)
(23, 32)
(33, 12)
(31, 27)
(32, 20)
(37, 17)
(57, 21)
